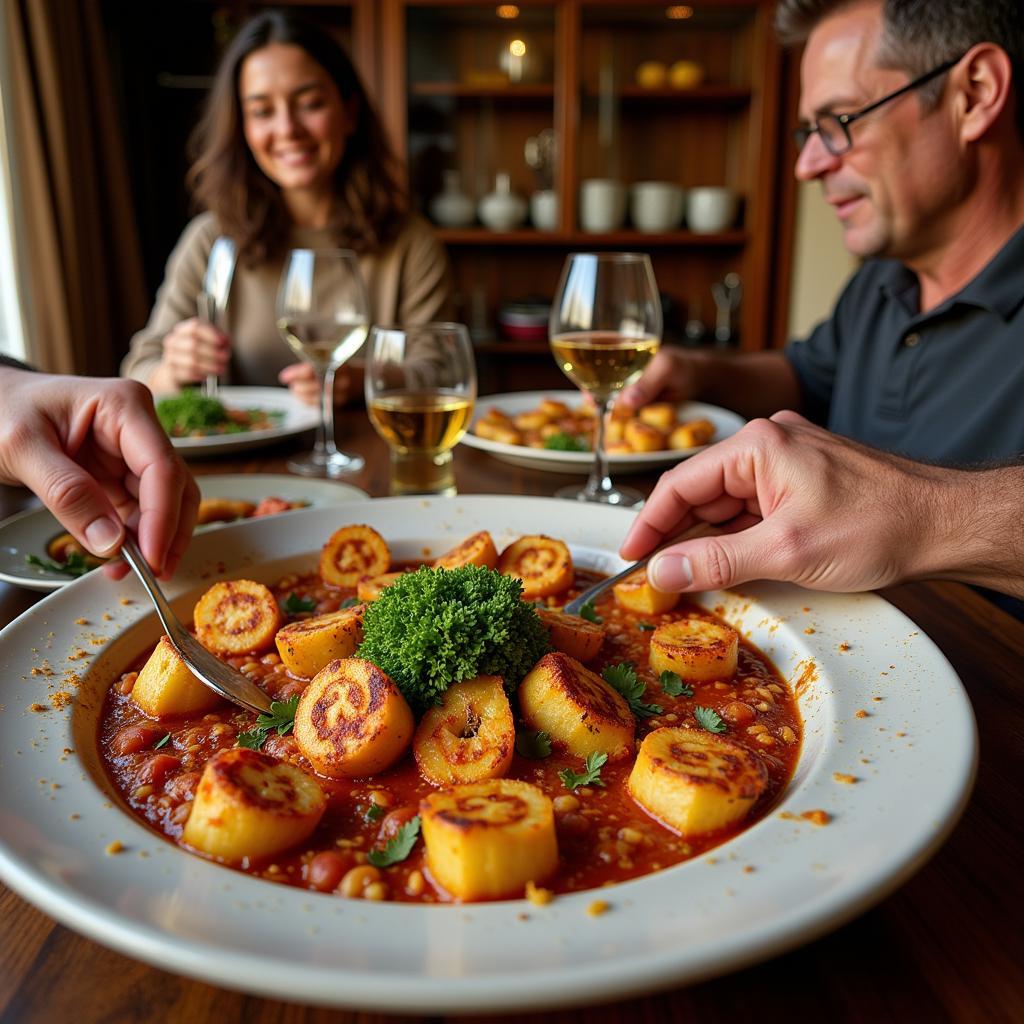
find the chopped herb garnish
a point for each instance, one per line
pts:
(674, 686)
(374, 812)
(163, 742)
(349, 602)
(563, 442)
(75, 564)
(398, 848)
(533, 745)
(709, 719)
(591, 777)
(281, 718)
(589, 612)
(624, 679)
(293, 604)
(645, 627)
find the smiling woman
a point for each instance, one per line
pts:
(291, 154)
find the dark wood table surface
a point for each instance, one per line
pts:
(947, 946)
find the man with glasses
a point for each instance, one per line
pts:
(911, 119)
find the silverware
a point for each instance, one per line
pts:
(221, 678)
(213, 299)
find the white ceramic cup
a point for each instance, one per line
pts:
(711, 208)
(544, 209)
(656, 206)
(602, 204)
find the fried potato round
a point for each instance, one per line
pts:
(237, 617)
(542, 563)
(307, 645)
(354, 553)
(477, 549)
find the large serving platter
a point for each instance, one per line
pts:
(296, 418)
(515, 402)
(878, 700)
(29, 532)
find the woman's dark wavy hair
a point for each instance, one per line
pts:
(225, 179)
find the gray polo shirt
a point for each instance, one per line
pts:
(944, 386)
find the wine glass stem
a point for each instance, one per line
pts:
(325, 431)
(600, 482)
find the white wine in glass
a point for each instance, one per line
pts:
(420, 390)
(323, 314)
(605, 328)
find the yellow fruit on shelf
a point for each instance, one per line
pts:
(251, 805)
(237, 617)
(685, 74)
(652, 74)
(470, 736)
(695, 649)
(486, 840)
(636, 594)
(576, 708)
(354, 553)
(579, 638)
(352, 720)
(695, 782)
(542, 563)
(477, 549)
(165, 686)
(307, 645)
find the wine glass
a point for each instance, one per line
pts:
(420, 390)
(605, 328)
(323, 314)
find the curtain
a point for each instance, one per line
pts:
(78, 249)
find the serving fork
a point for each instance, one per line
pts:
(222, 679)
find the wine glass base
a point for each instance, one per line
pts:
(624, 497)
(327, 464)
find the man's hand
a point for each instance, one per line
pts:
(95, 453)
(796, 503)
(671, 376)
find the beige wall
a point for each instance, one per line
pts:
(821, 265)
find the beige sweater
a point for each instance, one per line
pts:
(409, 282)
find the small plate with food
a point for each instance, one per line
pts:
(36, 552)
(458, 789)
(554, 431)
(238, 418)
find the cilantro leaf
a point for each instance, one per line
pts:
(349, 602)
(398, 848)
(645, 627)
(374, 812)
(589, 612)
(563, 442)
(674, 686)
(293, 604)
(74, 565)
(533, 745)
(163, 742)
(281, 718)
(709, 719)
(591, 777)
(623, 678)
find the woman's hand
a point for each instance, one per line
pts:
(193, 350)
(302, 382)
(95, 453)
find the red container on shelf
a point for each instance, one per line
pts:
(524, 321)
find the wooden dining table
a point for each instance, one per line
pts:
(947, 946)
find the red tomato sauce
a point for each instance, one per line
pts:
(603, 836)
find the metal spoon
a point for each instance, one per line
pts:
(221, 678)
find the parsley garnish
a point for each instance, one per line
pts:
(623, 678)
(374, 812)
(281, 718)
(349, 602)
(589, 612)
(293, 604)
(674, 686)
(533, 745)
(163, 742)
(709, 719)
(646, 627)
(398, 848)
(74, 565)
(566, 443)
(591, 777)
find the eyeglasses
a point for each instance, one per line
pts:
(834, 129)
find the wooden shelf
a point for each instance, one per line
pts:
(460, 90)
(514, 348)
(717, 97)
(633, 239)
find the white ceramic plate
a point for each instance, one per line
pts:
(913, 754)
(515, 402)
(28, 533)
(295, 419)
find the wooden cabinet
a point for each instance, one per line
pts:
(632, 92)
